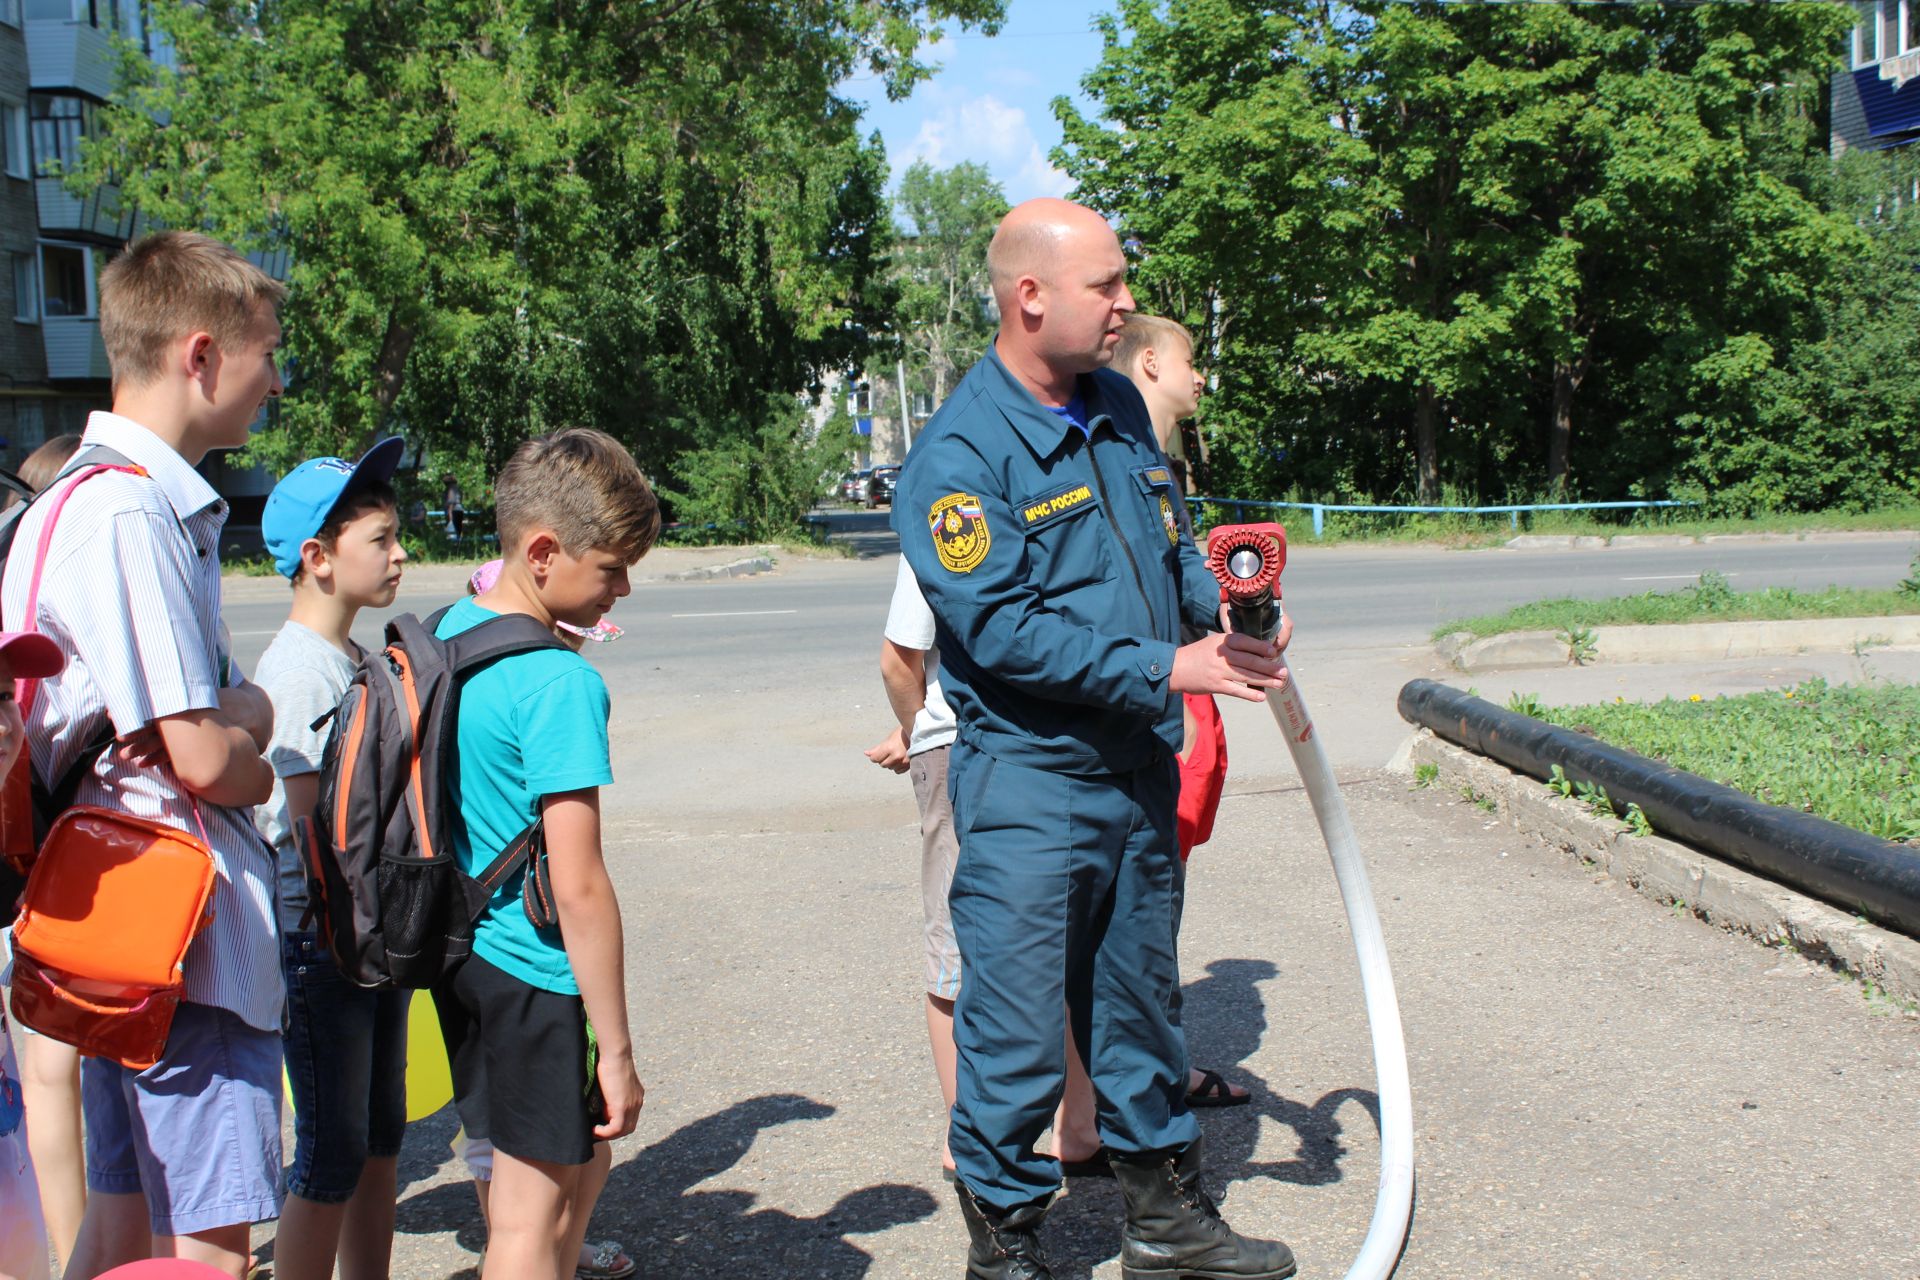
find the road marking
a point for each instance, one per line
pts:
(1668, 577)
(742, 613)
(255, 633)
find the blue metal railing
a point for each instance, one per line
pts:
(1320, 509)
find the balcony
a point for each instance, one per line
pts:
(99, 214)
(74, 349)
(69, 55)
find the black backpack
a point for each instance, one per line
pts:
(382, 878)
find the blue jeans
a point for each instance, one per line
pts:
(347, 1063)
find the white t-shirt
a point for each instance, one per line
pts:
(910, 625)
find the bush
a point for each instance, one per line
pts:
(761, 481)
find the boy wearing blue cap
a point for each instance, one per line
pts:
(333, 529)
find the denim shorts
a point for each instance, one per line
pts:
(347, 1065)
(198, 1132)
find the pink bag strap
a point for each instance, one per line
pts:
(26, 689)
(30, 620)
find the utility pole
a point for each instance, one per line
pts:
(906, 410)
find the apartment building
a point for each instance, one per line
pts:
(1876, 100)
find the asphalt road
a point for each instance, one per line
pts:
(1602, 1087)
(768, 686)
(1340, 597)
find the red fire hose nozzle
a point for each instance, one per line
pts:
(1247, 559)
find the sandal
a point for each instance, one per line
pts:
(1214, 1091)
(606, 1261)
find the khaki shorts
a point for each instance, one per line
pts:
(939, 850)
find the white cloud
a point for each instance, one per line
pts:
(988, 131)
(1038, 177)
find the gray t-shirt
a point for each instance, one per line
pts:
(305, 676)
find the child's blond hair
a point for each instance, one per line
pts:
(1141, 332)
(584, 486)
(169, 284)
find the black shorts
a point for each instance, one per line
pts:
(521, 1077)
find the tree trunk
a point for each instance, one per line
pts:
(1426, 441)
(391, 373)
(1567, 376)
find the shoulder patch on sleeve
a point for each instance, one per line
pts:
(960, 534)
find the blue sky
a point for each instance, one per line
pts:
(989, 101)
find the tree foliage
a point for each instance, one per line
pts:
(1503, 248)
(505, 216)
(941, 260)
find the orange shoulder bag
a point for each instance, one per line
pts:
(112, 903)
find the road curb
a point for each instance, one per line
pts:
(1632, 541)
(1672, 873)
(734, 569)
(1681, 642)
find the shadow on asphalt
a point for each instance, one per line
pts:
(1225, 1018)
(651, 1207)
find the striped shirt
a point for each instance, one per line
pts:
(131, 593)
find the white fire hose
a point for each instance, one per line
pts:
(1247, 559)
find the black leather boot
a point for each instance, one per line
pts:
(1174, 1232)
(1006, 1242)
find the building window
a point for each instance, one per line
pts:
(1866, 33)
(26, 289)
(60, 121)
(66, 273)
(128, 20)
(1904, 26)
(13, 140)
(61, 10)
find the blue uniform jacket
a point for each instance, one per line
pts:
(1056, 571)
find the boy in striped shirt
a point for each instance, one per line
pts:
(181, 1158)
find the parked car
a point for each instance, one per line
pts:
(880, 486)
(853, 485)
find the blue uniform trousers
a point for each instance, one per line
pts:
(1064, 902)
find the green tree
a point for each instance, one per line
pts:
(941, 260)
(508, 215)
(1833, 422)
(1412, 232)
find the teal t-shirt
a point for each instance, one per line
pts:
(532, 725)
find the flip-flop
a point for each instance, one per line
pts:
(606, 1261)
(1094, 1166)
(1213, 1091)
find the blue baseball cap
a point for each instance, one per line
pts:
(301, 504)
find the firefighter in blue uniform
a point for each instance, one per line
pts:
(1037, 513)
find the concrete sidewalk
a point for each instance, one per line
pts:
(1602, 1088)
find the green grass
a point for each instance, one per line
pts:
(1850, 753)
(1709, 600)
(1469, 532)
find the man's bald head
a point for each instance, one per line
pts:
(1030, 238)
(1060, 280)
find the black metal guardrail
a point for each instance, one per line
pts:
(1850, 869)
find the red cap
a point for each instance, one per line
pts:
(32, 656)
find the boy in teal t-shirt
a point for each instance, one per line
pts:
(524, 1015)
(531, 726)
